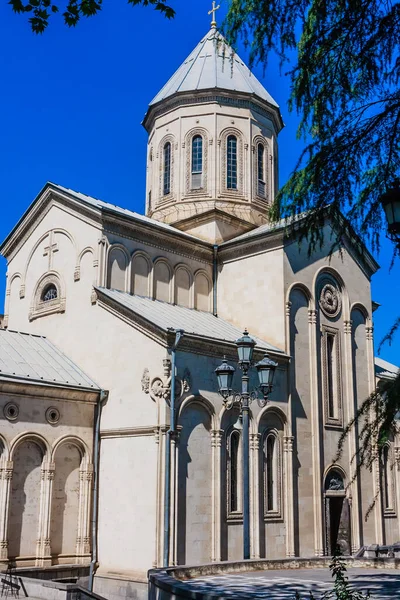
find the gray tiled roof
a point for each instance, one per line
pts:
(96, 203)
(213, 64)
(167, 316)
(385, 369)
(35, 358)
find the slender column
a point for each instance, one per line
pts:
(288, 442)
(174, 494)
(288, 453)
(246, 457)
(43, 548)
(397, 483)
(85, 489)
(255, 494)
(216, 444)
(6, 473)
(369, 334)
(315, 428)
(158, 546)
(350, 403)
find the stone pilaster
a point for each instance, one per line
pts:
(255, 495)
(174, 496)
(316, 418)
(43, 545)
(350, 404)
(6, 473)
(85, 495)
(216, 449)
(288, 509)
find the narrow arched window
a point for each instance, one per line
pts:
(271, 473)
(260, 170)
(197, 162)
(233, 472)
(231, 162)
(167, 169)
(387, 483)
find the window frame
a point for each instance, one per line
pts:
(274, 464)
(223, 143)
(40, 307)
(387, 481)
(332, 376)
(231, 163)
(165, 170)
(261, 142)
(234, 515)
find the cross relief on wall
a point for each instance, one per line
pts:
(50, 250)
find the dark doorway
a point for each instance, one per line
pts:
(337, 515)
(338, 524)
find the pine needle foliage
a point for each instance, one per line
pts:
(344, 70)
(74, 10)
(342, 589)
(344, 65)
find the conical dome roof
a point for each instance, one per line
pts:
(213, 64)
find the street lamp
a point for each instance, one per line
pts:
(266, 370)
(391, 204)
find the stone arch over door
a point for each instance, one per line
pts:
(194, 506)
(25, 497)
(337, 512)
(65, 501)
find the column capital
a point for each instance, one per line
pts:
(255, 441)
(288, 443)
(312, 316)
(216, 438)
(288, 306)
(369, 332)
(347, 326)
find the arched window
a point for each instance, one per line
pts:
(261, 188)
(50, 292)
(197, 162)
(233, 471)
(387, 481)
(167, 169)
(272, 475)
(231, 163)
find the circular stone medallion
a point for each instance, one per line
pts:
(329, 300)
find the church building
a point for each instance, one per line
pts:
(95, 297)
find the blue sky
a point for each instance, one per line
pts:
(73, 99)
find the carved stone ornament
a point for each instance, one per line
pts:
(334, 482)
(329, 300)
(186, 381)
(146, 381)
(157, 388)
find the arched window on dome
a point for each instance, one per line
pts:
(231, 163)
(167, 169)
(261, 187)
(197, 162)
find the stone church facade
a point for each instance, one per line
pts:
(109, 288)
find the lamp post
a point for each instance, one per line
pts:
(266, 370)
(391, 204)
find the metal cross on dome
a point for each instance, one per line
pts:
(213, 11)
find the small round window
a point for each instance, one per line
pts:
(50, 292)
